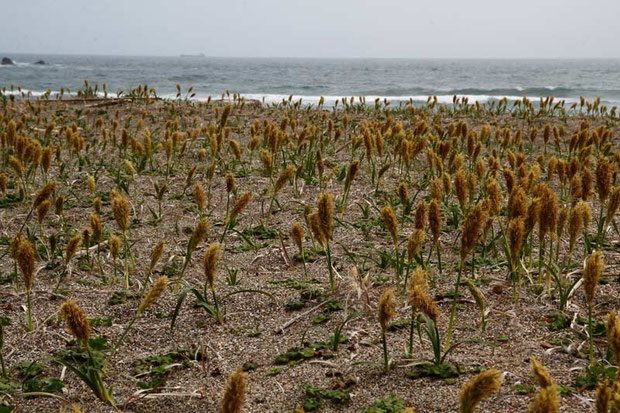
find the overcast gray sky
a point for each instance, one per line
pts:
(314, 28)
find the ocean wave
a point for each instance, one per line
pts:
(442, 99)
(330, 100)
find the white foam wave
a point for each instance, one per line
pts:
(269, 98)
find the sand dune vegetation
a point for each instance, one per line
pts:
(228, 255)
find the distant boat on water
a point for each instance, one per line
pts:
(193, 55)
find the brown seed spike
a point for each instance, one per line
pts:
(474, 222)
(76, 321)
(26, 261)
(540, 373)
(434, 219)
(199, 234)
(240, 205)
(479, 388)
(44, 194)
(283, 178)
(603, 179)
(591, 274)
(156, 254)
(156, 291)
(209, 263)
(613, 335)
(72, 246)
(386, 308)
(297, 233)
(325, 206)
(234, 395)
(120, 209)
(389, 219)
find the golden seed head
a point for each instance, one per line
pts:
(387, 308)
(315, 226)
(44, 193)
(115, 245)
(230, 182)
(156, 291)
(548, 220)
(199, 234)
(494, 194)
(42, 210)
(76, 321)
(546, 401)
(613, 205)
(540, 373)
(16, 165)
(96, 226)
(418, 297)
(15, 241)
(156, 254)
(516, 202)
(26, 262)
(240, 205)
(603, 397)
(120, 209)
(479, 388)
(603, 178)
(265, 157)
(460, 186)
(97, 205)
(234, 395)
(403, 193)
(209, 262)
(414, 244)
(199, 196)
(72, 246)
(436, 189)
(236, 148)
(283, 178)
(575, 222)
(391, 224)
(477, 294)
(46, 158)
(533, 213)
(592, 272)
(352, 172)
(613, 335)
(91, 184)
(297, 233)
(474, 222)
(325, 206)
(3, 183)
(420, 215)
(516, 232)
(562, 218)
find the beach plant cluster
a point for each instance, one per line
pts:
(398, 210)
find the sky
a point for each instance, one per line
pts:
(315, 28)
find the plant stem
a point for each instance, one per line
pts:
(29, 326)
(386, 362)
(453, 309)
(591, 338)
(329, 265)
(217, 308)
(410, 350)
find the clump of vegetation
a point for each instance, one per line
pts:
(456, 221)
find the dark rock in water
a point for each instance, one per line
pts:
(6, 61)
(40, 62)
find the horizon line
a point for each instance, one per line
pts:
(205, 56)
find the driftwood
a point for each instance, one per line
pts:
(292, 321)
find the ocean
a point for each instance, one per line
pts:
(272, 79)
